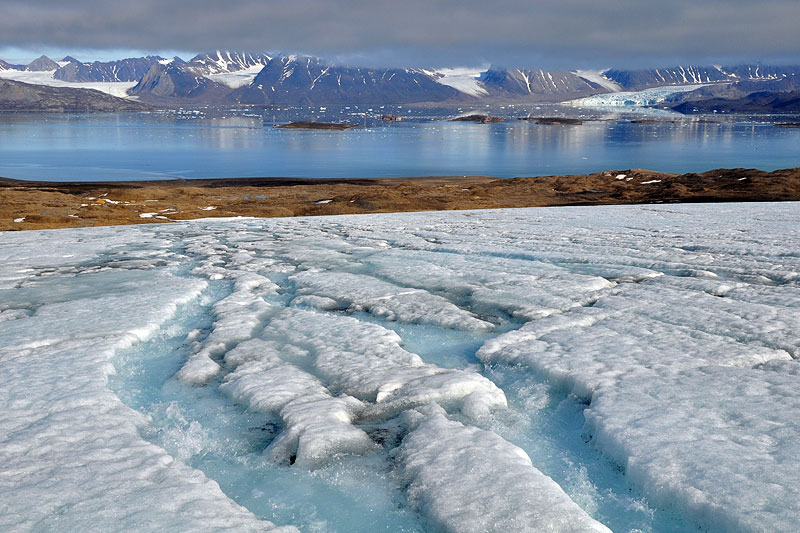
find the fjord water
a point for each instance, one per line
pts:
(244, 143)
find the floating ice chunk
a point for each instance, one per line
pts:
(470, 480)
(359, 292)
(719, 443)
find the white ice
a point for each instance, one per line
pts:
(283, 372)
(676, 326)
(465, 80)
(71, 457)
(365, 293)
(114, 88)
(237, 79)
(644, 97)
(721, 442)
(596, 76)
(446, 466)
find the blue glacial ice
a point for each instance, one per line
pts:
(561, 369)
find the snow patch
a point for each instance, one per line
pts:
(465, 80)
(116, 88)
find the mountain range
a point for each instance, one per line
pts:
(227, 77)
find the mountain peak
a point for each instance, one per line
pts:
(42, 63)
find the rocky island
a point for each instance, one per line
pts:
(311, 125)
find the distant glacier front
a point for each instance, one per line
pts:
(643, 98)
(555, 369)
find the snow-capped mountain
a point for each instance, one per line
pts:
(636, 80)
(293, 80)
(130, 69)
(225, 62)
(8, 66)
(175, 80)
(262, 78)
(762, 72)
(536, 83)
(41, 64)
(234, 69)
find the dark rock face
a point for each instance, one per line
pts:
(9, 66)
(18, 96)
(635, 80)
(309, 81)
(762, 72)
(741, 89)
(131, 69)
(175, 81)
(757, 102)
(220, 62)
(536, 84)
(42, 63)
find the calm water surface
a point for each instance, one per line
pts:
(242, 143)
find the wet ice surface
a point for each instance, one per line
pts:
(560, 369)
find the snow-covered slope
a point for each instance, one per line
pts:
(596, 76)
(118, 89)
(238, 78)
(124, 70)
(465, 80)
(226, 62)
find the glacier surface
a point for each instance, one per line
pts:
(559, 369)
(645, 97)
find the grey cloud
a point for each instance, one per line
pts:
(422, 32)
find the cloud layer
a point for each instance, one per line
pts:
(422, 32)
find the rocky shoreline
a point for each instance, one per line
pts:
(46, 205)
